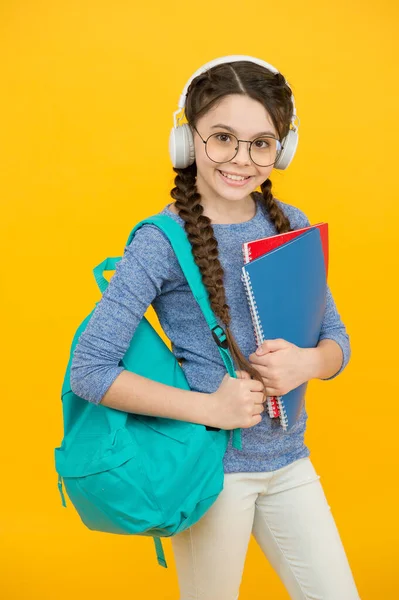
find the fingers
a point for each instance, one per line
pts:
(262, 399)
(256, 386)
(243, 375)
(259, 408)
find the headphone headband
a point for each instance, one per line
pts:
(228, 59)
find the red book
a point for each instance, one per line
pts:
(255, 248)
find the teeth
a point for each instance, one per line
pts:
(234, 177)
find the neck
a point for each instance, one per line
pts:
(222, 211)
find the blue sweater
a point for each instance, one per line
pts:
(149, 273)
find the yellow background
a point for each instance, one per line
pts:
(88, 92)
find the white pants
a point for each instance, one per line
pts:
(288, 514)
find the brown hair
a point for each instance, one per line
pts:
(271, 90)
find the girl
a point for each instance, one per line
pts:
(238, 113)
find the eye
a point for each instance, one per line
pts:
(259, 143)
(223, 137)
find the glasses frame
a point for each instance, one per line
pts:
(238, 146)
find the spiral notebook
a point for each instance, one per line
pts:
(286, 293)
(255, 248)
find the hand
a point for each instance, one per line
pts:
(238, 402)
(283, 365)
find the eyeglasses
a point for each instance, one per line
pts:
(222, 147)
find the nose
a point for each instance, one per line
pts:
(242, 156)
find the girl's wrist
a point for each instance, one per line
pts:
(325, 360)
(312, 362)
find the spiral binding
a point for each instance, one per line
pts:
(283, 413)
(246, 250)
(274, 405)
(257, 325)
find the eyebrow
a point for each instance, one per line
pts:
(233, 131)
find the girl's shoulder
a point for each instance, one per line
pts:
(151, 247)
(149, 233)
(296, 216)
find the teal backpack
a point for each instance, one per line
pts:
(134, 474)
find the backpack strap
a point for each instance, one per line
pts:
(183, 250)
(159, 550)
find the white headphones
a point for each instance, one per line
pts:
(181, 142)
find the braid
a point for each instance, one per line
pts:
(204, 245)
(200, 234)
(277, 216)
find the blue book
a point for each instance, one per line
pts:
(286, 291)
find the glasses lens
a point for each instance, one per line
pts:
(221, 147)
(263, 151)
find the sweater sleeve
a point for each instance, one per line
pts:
(332, 326)
(147, 269)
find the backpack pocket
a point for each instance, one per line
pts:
(90, 454)
(108, 485)
(177, 430)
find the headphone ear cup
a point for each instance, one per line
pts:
(289, 146)
(181, 146)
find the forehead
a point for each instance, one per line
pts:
(245, 115)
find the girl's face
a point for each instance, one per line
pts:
(247, 119)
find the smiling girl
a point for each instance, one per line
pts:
(239, 112)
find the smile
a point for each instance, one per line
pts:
(233, 180)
